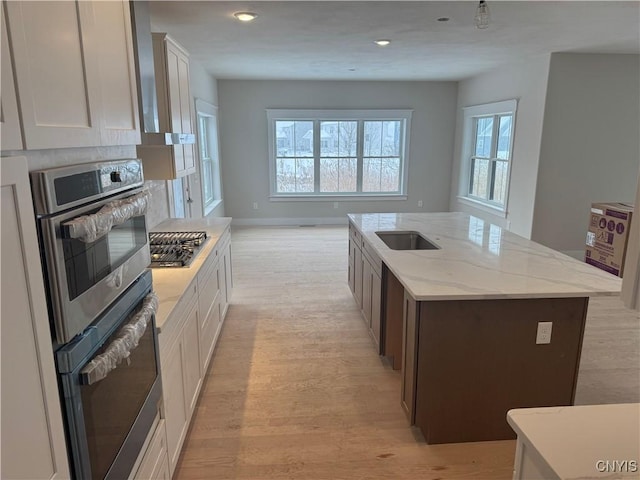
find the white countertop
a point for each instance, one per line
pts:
(171, 283)
(572, 440)
(479, 260)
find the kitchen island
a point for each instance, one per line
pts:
(486, 322)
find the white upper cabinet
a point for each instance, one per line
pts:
(11, 133)
(74, 73)
(120, 121)
(162, 162)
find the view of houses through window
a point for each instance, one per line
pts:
(339, 156)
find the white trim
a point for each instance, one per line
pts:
(485, 207)
(469, 113)
(206, 109)
(334, 198)
(342, 114)
(211, 207)
(255, 222)
(496, 108)
(274, 114)
(577, 254)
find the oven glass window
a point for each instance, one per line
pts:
(88, 263)
(111, 405)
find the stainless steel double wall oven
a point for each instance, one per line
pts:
(95, 254)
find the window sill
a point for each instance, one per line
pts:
(211, 207)
(334, 198)
(497, 211)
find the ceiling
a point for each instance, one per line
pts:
(333, 40)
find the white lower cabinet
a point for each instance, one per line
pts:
(209, 306)
(181, 379)
(155, 463)
(187, 340)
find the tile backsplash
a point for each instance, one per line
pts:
(158, 210)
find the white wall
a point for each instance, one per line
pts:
(204, 87)
(590, 148)
(245, 165)
(527, 82)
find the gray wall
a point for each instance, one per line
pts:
(245, 164)
(525, 81)
(590, 146)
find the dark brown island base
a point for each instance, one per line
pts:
(485, 323)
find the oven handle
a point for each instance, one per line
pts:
(89, 228)
(122, 346)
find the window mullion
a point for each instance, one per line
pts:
(316, 156)
(359, 155)
(495, 131)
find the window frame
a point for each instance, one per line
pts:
(210, 113)
(316, 116)
(470, 116)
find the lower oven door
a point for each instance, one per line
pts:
(85, 273)
(112, 388)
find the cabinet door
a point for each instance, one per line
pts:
(352, 275)
(227, 281)
(56, 72)
(376, 303)
(184, 80)
(366, 290)
(33, 443)
(120, 122)
(9, 119)
(191, 360)
(175, 407)
(357, 273)
(409, 356)
(173, 94)
(209, 296)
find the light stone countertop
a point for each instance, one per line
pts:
(479, 260)
(171, 283)
(574, 442)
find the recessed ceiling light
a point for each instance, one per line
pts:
(443, 19)
(245, 16)
(383, 42)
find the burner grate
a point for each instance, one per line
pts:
(174, 249)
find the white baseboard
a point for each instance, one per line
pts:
(287, 222)
(577, 254)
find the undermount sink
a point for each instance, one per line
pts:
(406, 241)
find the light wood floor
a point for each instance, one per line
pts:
(296, 390)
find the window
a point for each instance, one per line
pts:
(488, 142)
(209, 157)
(329, 153)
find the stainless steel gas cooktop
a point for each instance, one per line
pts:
(174, 249)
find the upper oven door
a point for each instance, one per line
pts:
(93, 254)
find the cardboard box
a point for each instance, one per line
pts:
(607, 236)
